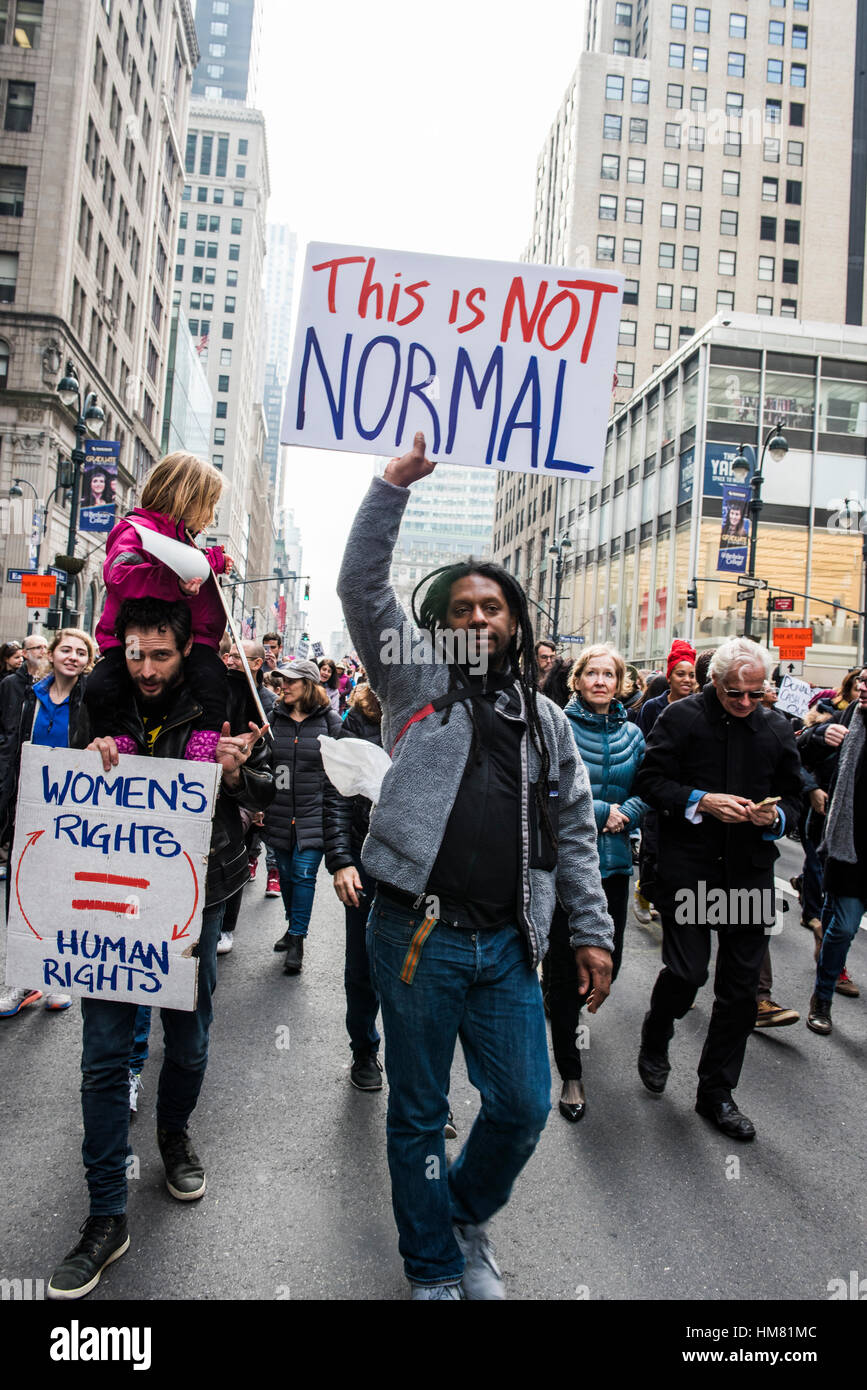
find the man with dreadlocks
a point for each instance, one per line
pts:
(484, 814)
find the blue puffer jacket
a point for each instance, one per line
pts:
(611, 749)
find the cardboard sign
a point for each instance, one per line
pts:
(501, 365)
(794, 697)
(108, 875)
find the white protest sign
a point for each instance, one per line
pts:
(501, 365)
(108, 875)
(794, 697)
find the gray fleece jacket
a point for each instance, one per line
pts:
(419, 790)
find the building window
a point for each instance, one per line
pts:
(213, 224)
(735, 104)
(692, 218)
(222, 410)
(701, 21)
(207, 301)
(235, 227)
(634, 209)
(231, 277)
(229, 306)
(696, 137)
(766, 267)
(770, 190)
(225, 357)
(223, 384)
(195, 301)
(222, 156)
(737, 26)
(790, 272)
(198, 248)
(613, 87)
(690, 258)
(768, 229)
(630, 292)
(638, 130)
(19, 105)
(623, 15)
(201, 221)
(726, 262)
(732, 143)
(676, 55)
(611, 127)
(240, 171)
(670, 175)
(793, 191)
(213, 248)
(678, 16)
(672, 136)
(635, 171)
(694, 177)
(217, 460)
(688, 299)
(668, 215)
(728, 223)
(625, 374)
(219, 435)
(238, 198)
(773, 111)
(775, 70)
(764, 304)
(666, 255)
(234, 251)
(788, 308)
(674, 96)
(631, 251)
(218, 195)
(210, 275)
(662, 336)
(12, 183)
(664, 296)
(626, 335)
(776, 33)
(799, 74)
(623, 46)
(795, 152)
(725, 299)
(698, 98)
(640, 91)
(731, 183)
(219, 30)
(8, 276)
(228, 330)
(27, 24)
(605, 248)
(202, 194)
(772, 151)
(610, 166)
(796, 113)
(792, 233)
(699, 60)
(736, 64)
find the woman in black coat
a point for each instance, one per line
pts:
(345, 821)
(293, 821)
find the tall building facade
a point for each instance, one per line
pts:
(230, 39)
(716, 156)
(94, 100)
(218, 281)
(189, 403)
(282, 245)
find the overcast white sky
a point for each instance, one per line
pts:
(409, 126)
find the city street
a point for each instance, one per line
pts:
(641, 1200)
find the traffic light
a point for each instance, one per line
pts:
(692, 596)
(306, 592)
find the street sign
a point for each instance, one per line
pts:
(750, 583)
(745, 594)
(60, 575)
(793, 637)
(792, 653)
(15, 576)
(571, 637)
(39, 588)
(785, 604)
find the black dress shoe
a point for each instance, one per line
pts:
(574, 1113)
(727, 1118)
(294, 956)
(283, 943)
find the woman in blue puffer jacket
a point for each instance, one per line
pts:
(611, 748)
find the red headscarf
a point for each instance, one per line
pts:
(680, 651)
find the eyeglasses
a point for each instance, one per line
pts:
(739, 694)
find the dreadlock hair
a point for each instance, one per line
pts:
(431, 615)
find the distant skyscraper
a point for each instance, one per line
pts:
(279, 281)
(230, 37)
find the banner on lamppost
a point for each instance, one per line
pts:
(735, 537)
(98, 482)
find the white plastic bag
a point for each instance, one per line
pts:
(355, 766)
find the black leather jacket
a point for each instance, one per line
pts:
(228, 866)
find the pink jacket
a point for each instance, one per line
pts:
(132, 572)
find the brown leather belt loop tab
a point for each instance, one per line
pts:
(413, 955)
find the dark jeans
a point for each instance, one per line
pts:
(685, 954)
(842, 918)
(141, 1038)
(233, 907)
(298, 869)
(362, 1000)
(478, 986)
(107, 1045)
(813, 891)
(560, 976)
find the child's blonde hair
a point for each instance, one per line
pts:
(185, 488)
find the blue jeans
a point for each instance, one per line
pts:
(298, 869)
(362, 1001)
(843, 917)
(139, 1054)
(479, 986)
(107, 1045)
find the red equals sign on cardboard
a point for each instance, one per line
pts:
(99, 904)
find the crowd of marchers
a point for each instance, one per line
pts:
(486, 878)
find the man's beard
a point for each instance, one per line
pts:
(160, 696)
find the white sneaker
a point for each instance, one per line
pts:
(642, 913)
(135, 1085)
(15, 999)
(482, 1279)
(225, 943)
(441, 1293)
(56, 1001)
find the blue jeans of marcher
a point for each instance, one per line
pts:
(108, 1032)
(298, 869)
(139, 1054)
(362, 1000)
(478, 986)
(843, 918)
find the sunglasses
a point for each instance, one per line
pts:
(739, 694)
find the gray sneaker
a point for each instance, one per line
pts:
(482, 1279)
(442, 1292)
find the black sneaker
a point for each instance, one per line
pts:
(103, 1239)
(185, 1172)
(450, 1130)
(283, 943)
(366, 1072)
(294, 956)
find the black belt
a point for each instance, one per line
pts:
(414, 901)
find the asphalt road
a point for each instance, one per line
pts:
(641, 1200)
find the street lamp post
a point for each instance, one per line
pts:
(557, 549)
(89, 417)
(775, 444)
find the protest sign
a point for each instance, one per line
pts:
(794, 697)
(735, 535)
(500, 365)
(107, 875)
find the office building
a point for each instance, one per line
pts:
(230, 39)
